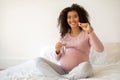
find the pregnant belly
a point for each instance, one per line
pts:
(71, 59)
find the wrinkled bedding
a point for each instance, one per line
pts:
(29, 71)
(106, 66)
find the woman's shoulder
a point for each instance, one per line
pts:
(65, 36)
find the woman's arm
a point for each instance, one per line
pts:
(95, 42)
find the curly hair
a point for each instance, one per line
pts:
(62, 19)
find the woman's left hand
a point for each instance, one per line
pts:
(86, 27)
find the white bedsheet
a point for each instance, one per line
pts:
(29, 71)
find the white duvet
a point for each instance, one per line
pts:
(102, 71)
(29, 71)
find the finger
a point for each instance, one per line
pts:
(84, 25)
(79, 24)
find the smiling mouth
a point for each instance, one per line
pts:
(73, 23)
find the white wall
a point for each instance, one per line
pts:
(27, 25)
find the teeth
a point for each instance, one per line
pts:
(72, 23)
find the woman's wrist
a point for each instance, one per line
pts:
(90, 30)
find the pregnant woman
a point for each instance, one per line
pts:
(76, 38)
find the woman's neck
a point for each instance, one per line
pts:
(75, 32)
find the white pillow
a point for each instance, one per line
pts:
(97, 58)
(48, 52)
(112, 52)
(110, 55)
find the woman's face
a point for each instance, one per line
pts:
(73, 19)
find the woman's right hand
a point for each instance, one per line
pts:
(58, 46)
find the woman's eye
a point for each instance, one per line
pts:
(69, 17)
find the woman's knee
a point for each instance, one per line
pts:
(87, 68)
(85, 64)
(40, 59)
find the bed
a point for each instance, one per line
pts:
(106, 65)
